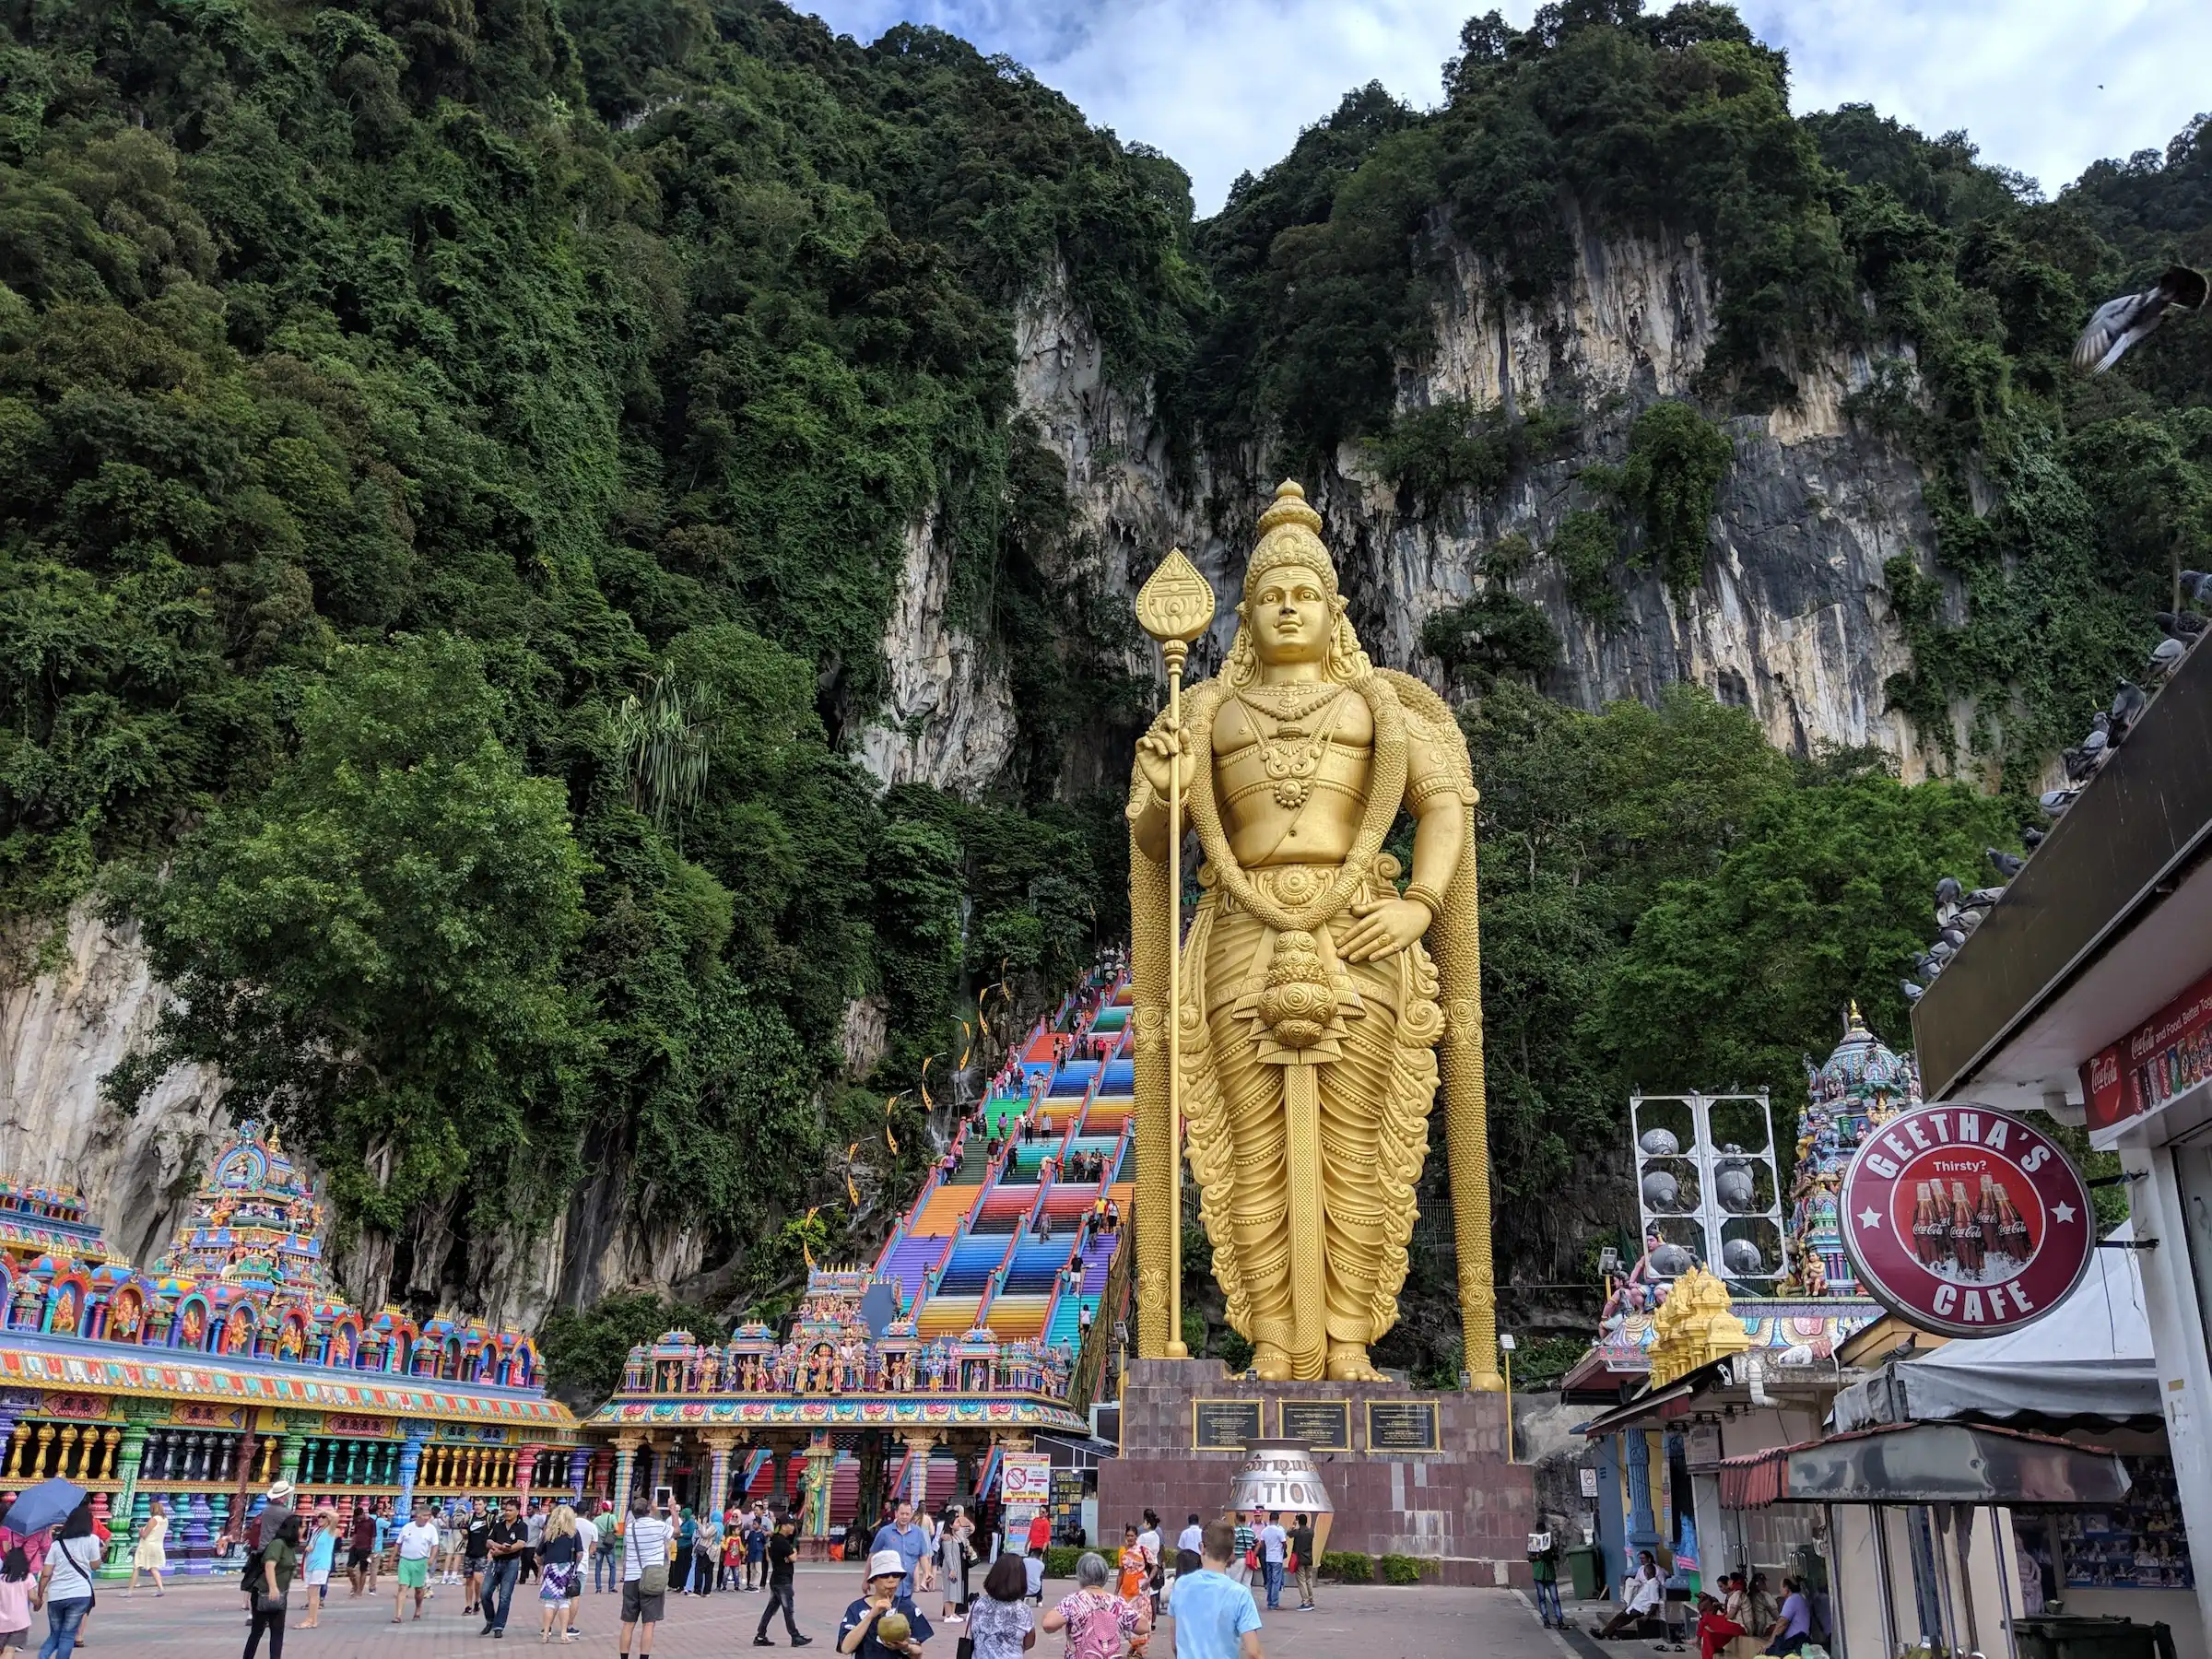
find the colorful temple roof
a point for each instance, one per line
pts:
(1861, 1084)
(239, 1307)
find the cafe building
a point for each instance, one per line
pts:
(2087, 993)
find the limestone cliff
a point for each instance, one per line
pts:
(1791, 617)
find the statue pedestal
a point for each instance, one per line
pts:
(1460, 1506)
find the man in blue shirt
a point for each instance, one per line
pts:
(906, 1539)
(1214, 1616)
(857, 1636)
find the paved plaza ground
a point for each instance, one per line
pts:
(200, 1620)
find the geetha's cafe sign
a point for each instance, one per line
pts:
(1964, 1220)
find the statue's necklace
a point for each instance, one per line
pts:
(1289, 758)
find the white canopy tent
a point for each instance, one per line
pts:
(2090, 1357)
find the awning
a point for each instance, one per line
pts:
(2090, 1356)
(1639, 1409)
(1925, 1463)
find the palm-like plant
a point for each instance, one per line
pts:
(665, 743)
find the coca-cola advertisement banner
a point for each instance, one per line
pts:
(2167, 1054)
(1965, 1220)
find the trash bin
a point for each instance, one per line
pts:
(1583, 1569)
(2052, 1636)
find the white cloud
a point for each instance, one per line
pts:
(1223, 86)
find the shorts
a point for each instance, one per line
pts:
(317, 1577)
(414, 1572)
(357, 1557)
(16, 1639)
(475, 1566)
(639, 1609)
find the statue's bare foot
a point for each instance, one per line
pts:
(1269, 1363)
(1349, 1363)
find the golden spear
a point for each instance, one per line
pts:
(1176, 607)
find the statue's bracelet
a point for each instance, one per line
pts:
(1422, 893)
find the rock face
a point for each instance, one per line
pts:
(61, 1031)
(949, 718)
(1792, 619)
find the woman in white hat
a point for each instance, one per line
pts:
(872, 1626)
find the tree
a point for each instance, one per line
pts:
(371, 950)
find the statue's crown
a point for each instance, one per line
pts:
(1291, 534)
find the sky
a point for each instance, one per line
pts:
(2044, 87)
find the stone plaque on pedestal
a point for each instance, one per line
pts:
(1410, 1471)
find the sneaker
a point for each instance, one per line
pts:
(763, 1641)
(802, 1642)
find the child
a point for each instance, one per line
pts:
(19, 1595)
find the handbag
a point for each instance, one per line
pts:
(653, 1578)
(271, 1604)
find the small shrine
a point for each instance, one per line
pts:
(234, 1360)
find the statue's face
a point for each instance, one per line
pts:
(1291, 615)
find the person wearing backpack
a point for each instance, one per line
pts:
(607, 1566)
(644, 1572)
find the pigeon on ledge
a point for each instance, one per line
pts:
(2008, 864)
(2181, 624)
(1912, 991)
(2119, 324)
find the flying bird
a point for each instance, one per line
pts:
(2119, 324)
(2008, 864)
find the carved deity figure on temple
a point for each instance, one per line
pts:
(64, 1314)
(238, 1332)
(1311, 1003)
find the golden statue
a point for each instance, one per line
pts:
(1313, 991)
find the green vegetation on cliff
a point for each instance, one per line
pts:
(402, 408)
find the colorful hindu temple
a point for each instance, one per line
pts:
(984, 1323)
(233, 1360)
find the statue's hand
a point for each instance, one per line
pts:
(1384, 925)
(1158, 751)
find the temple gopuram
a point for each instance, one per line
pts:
(234, 1360)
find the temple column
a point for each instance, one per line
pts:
(580, 1465)
(718, 1443)
(123, 1534)
(525, 1470)
(289, 1449)
(821, 1466)
(410, 1466)
(1636, 1463)
(919, 1443)
(626, 1463)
